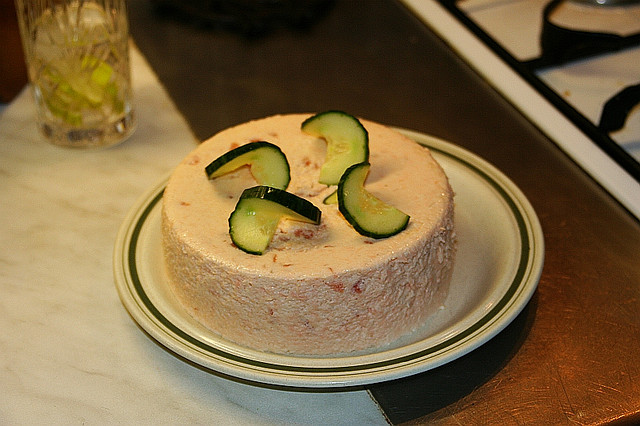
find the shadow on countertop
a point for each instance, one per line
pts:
(433, 391)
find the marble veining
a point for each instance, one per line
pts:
(70, 352)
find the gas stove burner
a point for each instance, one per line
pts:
(577, 66)
(607, 2)
(561, 44)
(617, 109)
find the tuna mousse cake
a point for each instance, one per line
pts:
(309, 235)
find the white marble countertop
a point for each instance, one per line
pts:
(70, 353)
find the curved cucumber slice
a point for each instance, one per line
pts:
(268, 164)
(369, 215)
(259, 209)
(347, 142)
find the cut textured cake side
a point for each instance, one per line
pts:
(318, 289)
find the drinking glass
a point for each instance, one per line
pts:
(77, 56)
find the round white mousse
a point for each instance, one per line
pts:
(317, 289)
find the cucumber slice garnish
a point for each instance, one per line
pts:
(331, 198)
(369, 215)
(258, 212)
(268, 164)
(347, 142)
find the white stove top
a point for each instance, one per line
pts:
(585, 85)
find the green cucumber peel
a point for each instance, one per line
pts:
(259, 210)
(268, 164)
(347, 142)
(368, 215)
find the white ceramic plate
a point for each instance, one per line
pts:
(498, 264)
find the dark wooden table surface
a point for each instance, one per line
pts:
(573, 355)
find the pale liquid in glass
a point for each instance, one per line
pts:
(80, 74)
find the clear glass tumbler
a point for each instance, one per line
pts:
(77, 56)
